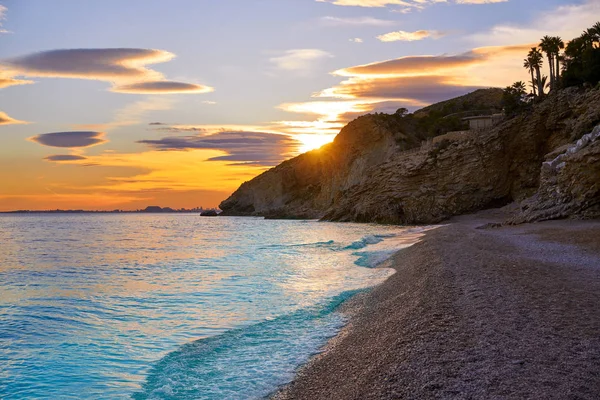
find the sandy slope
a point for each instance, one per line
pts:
(508, 313)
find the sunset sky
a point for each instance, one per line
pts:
(123, 104)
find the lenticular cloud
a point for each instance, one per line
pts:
(126, 68)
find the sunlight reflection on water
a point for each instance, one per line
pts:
(89, 303)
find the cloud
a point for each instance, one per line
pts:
(162, 87)
(101, 64)
(65, 158)
(410, 65)
(126, 68)
(430, 65)
(6, 120)
(357, 40)
(299, 60)
(7, 81)
(358, 21)
(365, 3)
(480, 1)
(417, 90)
(567, 21)
(132, 114)
(332, 115)
(411, 82)
(3, 11)
(409, 36)
(257, 148)
(74, 139)
(407, 5)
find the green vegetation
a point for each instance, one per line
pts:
(440, 118)
(512, 97)
(580, 66)
(581, 60)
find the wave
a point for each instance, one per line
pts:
(245, 363)
(328, 243)
(373, 259)
(367, 240)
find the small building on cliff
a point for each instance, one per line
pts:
(483, 121)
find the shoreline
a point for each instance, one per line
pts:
(510, 312)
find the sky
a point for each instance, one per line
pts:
(111, 104)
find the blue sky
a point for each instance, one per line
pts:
(230, 87)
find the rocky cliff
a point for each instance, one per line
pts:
(386, 168)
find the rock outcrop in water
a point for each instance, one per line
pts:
(386, 168)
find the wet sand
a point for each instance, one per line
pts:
(502, 313)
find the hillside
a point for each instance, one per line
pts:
(382, 168)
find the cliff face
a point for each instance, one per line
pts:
(377, 171)
(569, 184)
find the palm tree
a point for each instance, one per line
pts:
(547, 46)
(528, 65)
(536, 60)
(587, 38)
(542, 83)
(557, 46)
(519, 88)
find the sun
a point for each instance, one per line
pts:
(312, 142)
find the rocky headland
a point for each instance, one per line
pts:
(409, 169)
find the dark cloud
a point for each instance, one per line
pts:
(70, 139)
(157, 123)
(65, 157)
(258, 148)
(161, 87)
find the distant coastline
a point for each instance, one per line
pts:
(147, 210)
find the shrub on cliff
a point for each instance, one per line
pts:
(514, 98)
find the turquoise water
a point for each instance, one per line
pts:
(174, 306)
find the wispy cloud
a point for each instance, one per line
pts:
(133, 113)
(173, 171)
(480, 1)
(7, 81)
(403, 36)
(567, 21)
(366, 3)
(357, 40)
(299, 61)
(358, 21)
(6, 120)
(3, 11)
(73, 139)
(65, 158)
(162, 87)
(406, 6)
(125, 68)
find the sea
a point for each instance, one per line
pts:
(175, 306)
